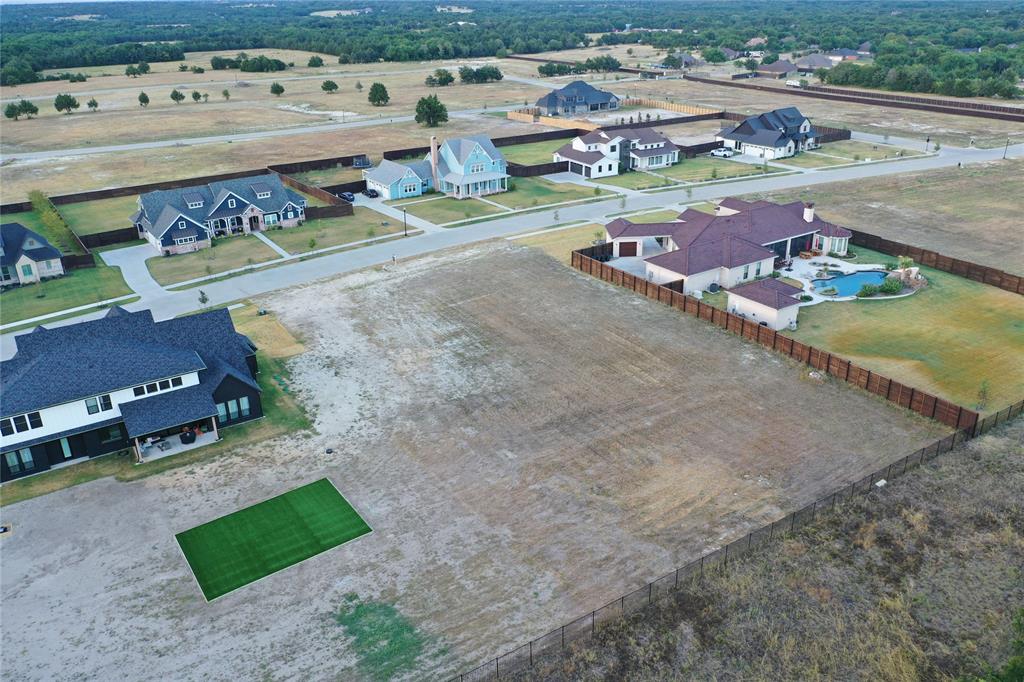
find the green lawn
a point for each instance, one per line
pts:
(227, 253)
(364, 224)
(701, 168)
(330, 176)
(946, 339)
(534, 152)
(62, 239)
(75, 288)
(252, 543)
(102, 215)
(447, 210)
(851, 149)
(814, 160)
(530, 192)
(635, 180)
(561, 243)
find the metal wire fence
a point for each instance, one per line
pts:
(587, 626)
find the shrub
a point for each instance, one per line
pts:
(867, 290)
(891, 285)
(890, 266)
(776, 274)
(806, 297)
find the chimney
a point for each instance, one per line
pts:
(809, 212)
(433, 162)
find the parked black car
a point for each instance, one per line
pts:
(347, 196)
(370, 192)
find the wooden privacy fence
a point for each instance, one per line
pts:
(118, 236)
(893, 97)
(677, 107)
(933, 259)
(554, 643)
(518, 170)
(903, 395)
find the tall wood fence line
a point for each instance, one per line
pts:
(903, 395)
(518, 170)
(586, 627)
(625, 69)
(312, 165)
(312, 191)
(961, 268)
(677, 107)
(893, 97)
(119, 236)
(865, 98)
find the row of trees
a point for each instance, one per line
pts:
(601, 64)
(484, 74)
(258, 64)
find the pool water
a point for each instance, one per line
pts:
(849, 285)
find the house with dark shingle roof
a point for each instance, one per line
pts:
(739, 244)
(26, 257)
(777, 69)
(123, 382)
(578, 97)
(188, 218)
(812, 62)
(773, 135)
(603, 153)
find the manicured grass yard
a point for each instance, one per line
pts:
(330, 176)
(866, 150)
(252, 543)
(946, 339)
(75, 288)
(227, 253)
(700, 168)
(102, 215)
(635, 180)
(561, 243)
(447, 210)
(62, 239)
(335, 231)
(530, 192)
(534, 152)
(814, 160)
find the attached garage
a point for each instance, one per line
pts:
(627, 249)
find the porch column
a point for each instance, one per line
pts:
(788, 254)
(213, 421)
(138, 451)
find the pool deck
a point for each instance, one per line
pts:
(806, 271)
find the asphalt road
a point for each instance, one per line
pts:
(165, 304)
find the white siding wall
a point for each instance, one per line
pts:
(734, 276)
(660, 275)
(74, 415)
(758, 312)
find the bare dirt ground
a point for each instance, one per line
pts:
(525, 441)
(971, 213)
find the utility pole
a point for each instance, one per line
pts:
(405, 223)
(1006, 148)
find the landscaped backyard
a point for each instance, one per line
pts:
(534, 152)
(76, 288)
(61, 238)
(325, 232)
(227, 253)
(957, 338)
(530, 192)
(101, 215)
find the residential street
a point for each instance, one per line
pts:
(167, 304)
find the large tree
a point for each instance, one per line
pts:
(431, 112)
(329, 87)
(315, 61)
(276, 89)
(65, 102)
(378, 96)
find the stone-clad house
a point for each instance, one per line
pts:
(578, 97)
(186, 219)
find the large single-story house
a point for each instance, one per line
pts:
(121, 382)
(777, 69)
(843, 54)
(812, 62)
(768, 301)
(730, 53)
(772, 135)
(461, 167)
(601, 153)
(739, 243)
(188, 218)
(400, 180)
(578, 97)
(26, 256)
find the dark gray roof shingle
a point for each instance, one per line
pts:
(17, 240)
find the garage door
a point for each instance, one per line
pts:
(627, 249)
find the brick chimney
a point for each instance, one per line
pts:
(809, 212)
(433, 162)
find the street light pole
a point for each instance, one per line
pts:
(1007, 147)
(405, 223)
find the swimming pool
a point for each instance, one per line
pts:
(849, 285)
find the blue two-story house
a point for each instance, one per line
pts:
(468, 167)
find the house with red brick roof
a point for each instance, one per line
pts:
(768, 301)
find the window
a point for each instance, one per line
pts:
(757, 270)
(139, 390)
(26, 270)
(184, 240)
(181, 224)
(105, 403)
(19, 460)
(195, 204)
(165, 384)
(65, 448)
(288, 215)
(243, 404)
(476, 168)
(176, 381)
(232, 409)
(614, 148)
(270, 218)
(20, 423)
(410, 189)
(98, 404)
(231, 203)
(222, 412)
(263, 195)
(111, 434)
(150, 388)
(746, 271)
(35, 421)
(6, 428)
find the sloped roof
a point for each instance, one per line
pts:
(388, 172)
(781, 66)
(16, 241)
(728, 251)
(769, 292)
(462, 147)
(769, 129)
(814, 61)
(588, 92)
(569, 152)
(167, 410)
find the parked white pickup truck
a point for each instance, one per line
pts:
(723, 152)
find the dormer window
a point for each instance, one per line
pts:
(231, 203)
(195, 204)
(181, 224)
(263, 195)
(193, 199)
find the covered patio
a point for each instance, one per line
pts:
(171, 423)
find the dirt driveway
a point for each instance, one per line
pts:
(525, 441)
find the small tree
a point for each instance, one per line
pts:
(206, 97)
(65, 102)
(312, 244)
(178, 96)
(12, 111)
(276, 89)
(315, 61)
(196, 96)
(226, 94)
(378, 96)
(431, 112)
(983, 396)
(131, 71)
(203, 298)
(142, 68)
(329, 87)
(93, 104)
(182, 67)
(444, 77)
(359, 86)
(143, 100)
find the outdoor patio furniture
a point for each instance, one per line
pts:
(163, 445)
(187, 437)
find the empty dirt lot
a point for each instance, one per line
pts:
(525, 441)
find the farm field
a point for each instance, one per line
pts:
(270, 536)
(531, 192)
(480, 440)
(970, 213)
(75, 288)
(364, 224)
(101, 215)
(227, 253)
(973, 344)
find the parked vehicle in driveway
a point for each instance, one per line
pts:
(370, 192)
(347, 196)
(723, 152)
(793, 84)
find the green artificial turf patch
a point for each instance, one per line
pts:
(252, 543)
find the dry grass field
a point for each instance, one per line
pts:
(526, 442)
(876, 590)
(971, 213)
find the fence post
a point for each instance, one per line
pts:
(563, 636)
(593, 622)
(531, 653)
(650, 593)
